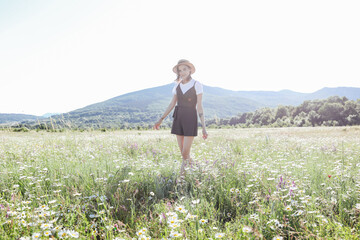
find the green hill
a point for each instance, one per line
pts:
(144, 107)
(13, 118)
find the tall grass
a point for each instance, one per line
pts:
(295, 183)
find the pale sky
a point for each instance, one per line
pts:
(58, 56)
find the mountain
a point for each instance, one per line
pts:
(47, 115)
(146, 106)
(10, 118)
(349, 92)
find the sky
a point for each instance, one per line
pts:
(58, 56)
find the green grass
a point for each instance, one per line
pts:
(290, 183)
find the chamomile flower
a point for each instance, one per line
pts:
(46, 226)
(56, 229)
(219, 235)
(172, 220)
(191, 217)
(197, 201)
(288, 208)
(144, 238)
(63, 234)
(180, 208)
(47, 233)
(174, 225)
(203, 221)
(247, 229)
(140, 233)
(36, 236)
(73, 234)
(277, 238)
(175, 234)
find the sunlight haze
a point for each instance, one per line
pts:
(58, 56)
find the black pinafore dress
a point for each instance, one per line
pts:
(185, 115)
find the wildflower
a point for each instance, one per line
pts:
(46, 226)
(203, 221)
(288, 208)
(172, 219)
(44, 207)
(189, 216)
(102, 211)
(298, 213)
(175, 234)
(184, 211)
(171, 214)
(180, 208)
(152, 194)
(73, 234)
(219, 235)
(56, 229)
(174, 225)
(247, 229)
(357, 206)
(232, 190)
(47, 233)
(63, 234)
(131, 173)
(36, 236)
(195, 201)
(23, 222)
(277, 238)
(140, 233)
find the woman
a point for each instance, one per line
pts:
(187, 96)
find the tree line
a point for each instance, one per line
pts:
(333, 111)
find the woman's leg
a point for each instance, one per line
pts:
(180, 140)
(186, 153)
(186, 147)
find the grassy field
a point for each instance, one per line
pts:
(293, 183)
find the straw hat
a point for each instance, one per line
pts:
(184, 62)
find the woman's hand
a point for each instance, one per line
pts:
(205, 134)
(157, 124)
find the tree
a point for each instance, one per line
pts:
(331, 111)
(281, 112)
(314, 118)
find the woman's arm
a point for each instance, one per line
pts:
(201, 115)
(167, 111)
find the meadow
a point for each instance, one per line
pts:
(268, 183)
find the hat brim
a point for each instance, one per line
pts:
(190, 65)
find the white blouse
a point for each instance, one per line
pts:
(185, 87)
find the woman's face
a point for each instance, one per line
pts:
(184, 71)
